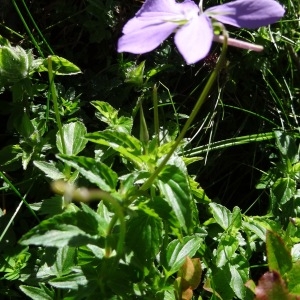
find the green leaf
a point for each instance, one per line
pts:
(198, 192)
(293, 278)
(51, 206)
(144, 237)
(221, 214)
(228, 244)
(109, 115)
(260, 225)
(279, 257)
(74, 228)
(35, 293)
(173, 257)
(73, 135)
(60, 66)
(106, 113)
(128, 146)
(94, 171)
(136, 74)
(237, 281)
(287, 146)
(49, 169)
(10, 157)
(174, 186)
(283, 190)
(65, 260)
(71, 281)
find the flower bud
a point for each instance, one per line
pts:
(15, 64)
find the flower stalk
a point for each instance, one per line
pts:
(198, 105)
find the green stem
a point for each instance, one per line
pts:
(56, 111)
(195, 111)
(19, 195)
(55, 103)
(155, 109)
(28, 30)
(86, 195)
(37, 28)
(109, 199)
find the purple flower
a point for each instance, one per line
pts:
(193, 28)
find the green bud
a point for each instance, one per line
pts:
(15, 64)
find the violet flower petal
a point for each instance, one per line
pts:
(247, 13)
(153, 23)
(194, 39)
(145, 37)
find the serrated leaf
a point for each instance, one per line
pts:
(94, 171)
(35, 293)
(283, 190)
(279, 257)
(71, 281)
(73, 135)
(74, 228)
(237, 282)
(176, 252)
(107, 113)
(174, 187)
(143, 237)
(227, 246)
(287, 146)
(65, 260)
(60, 66)
(49, 169)
(128, 146)
(66, 235)
(221, 214)
(293, 278)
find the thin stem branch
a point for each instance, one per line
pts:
(194, 112)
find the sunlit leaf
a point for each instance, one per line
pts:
(293, 278)
(279, 257)
(60, 66)
(283, 190)
(73, 136)
(144, 237)
(70, 281)
(174, 186)
(94, 171)
(38, 293)
(128, 146)
(49, 169)
(221, 214)
(176, 252)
